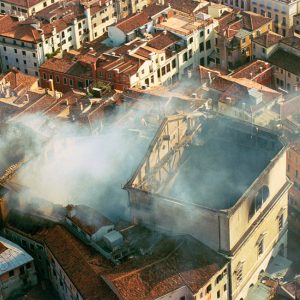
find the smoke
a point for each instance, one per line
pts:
(66, 164)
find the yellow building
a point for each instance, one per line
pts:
(222, 181)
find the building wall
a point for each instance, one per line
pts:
(260, 52)
(240, 4)
(286, 80)
(34, 248)
(293, 173)
(253, 263)
(63, 82)
(274, 178)
(22, 277)
(281, 13)
(60, 281)
(218, 286)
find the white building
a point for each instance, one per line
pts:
(16, 269)
(25, 44)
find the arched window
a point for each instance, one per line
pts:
(258, 200)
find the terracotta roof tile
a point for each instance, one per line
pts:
(82, 265)
(268, 39)
(186, 263)
(253, 21)
(162, 41)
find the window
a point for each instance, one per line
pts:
(22, 270)
(201, 47)
(208, 289)
(191, 40)
(23, 53)
(288, 168)
(218, 294)
(280, 222)
(201, 33)
(208, 45)
(182, 298)
(4, 48)
(260, 246)
(174, 63)
(65, 80)
(11, 273)
(33, 54)
(296, 174)
(185, 56)
(26, 71)
(6, 58)
(57, 78)
(45, 4)
(225, 287)
(71, 82)
(25, 62)
(17, 60)
(16, 51)
(35, 64)
(239, 273)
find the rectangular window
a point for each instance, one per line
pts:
(57, 79)
(174, 63)
(185, 58)
(23, 53)
(65, 80)
(280, 222)
(208, 45)
(71, 82)
(201, 47)
(239, 274)
(261, 247)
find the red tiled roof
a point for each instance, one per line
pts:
(81, 264)
(253, 21)
(23, 3)
(140, 19)
(251, 69)
(268, 39)
(17, 78)
(187, 263)
(162, 41)
(10, 27)
(133, 22)
(186, 6)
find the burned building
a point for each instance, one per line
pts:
(222, 181)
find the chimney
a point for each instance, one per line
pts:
(209, 76)
(94, 70)
(51, 85)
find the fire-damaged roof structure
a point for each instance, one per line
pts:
(207, 168)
